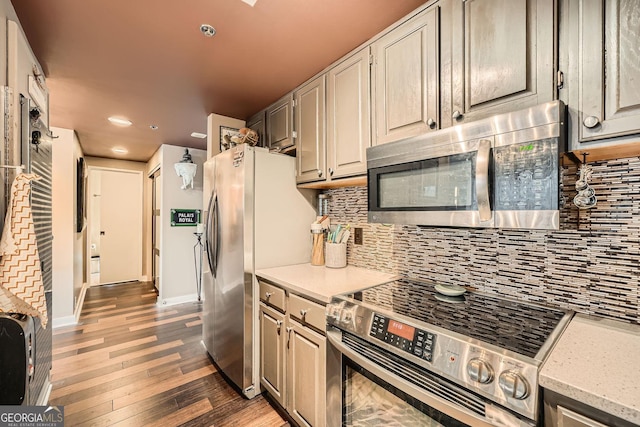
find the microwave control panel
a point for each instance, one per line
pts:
(412, 340)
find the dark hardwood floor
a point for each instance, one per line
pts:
(130, 363)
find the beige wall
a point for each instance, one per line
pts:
(146, 207)
(68, 245)
(177, 272)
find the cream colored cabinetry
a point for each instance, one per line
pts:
(348, 116)
(293, 354)
(406, 79)
(306, 381)
(258, 123)
(601, 64)
(272, 346)
(497, 56)
(279, 118)
(334, 145)
(310, 126)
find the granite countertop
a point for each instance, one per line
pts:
(321, 283)
(596, 362)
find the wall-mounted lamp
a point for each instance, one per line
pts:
(186, 169)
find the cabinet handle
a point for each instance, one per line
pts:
(591, 122)
(431, 123)
(319, 172)
(279, 325)
(288, 329)
(457, 115)
(330, 171)
(267, 295)
(303, 313)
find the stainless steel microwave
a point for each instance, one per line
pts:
(501, 172)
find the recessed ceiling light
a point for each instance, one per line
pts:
(250, 2)
(153, 127)
(119, 121)
(207, 30)
(198, 135)
(119, 150)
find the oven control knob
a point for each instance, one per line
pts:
(514, 385)
(480, 371)
(334, 312)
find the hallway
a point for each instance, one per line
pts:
(130, 363)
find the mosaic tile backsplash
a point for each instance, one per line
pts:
(591, 265)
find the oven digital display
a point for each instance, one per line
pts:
(401, 330)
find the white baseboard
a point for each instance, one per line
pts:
(72, 320)
(178, 300)
(80, 302)
(59, 322)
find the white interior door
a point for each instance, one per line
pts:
(120, 226)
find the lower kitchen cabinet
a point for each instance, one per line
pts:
(293, 354)
(306, 369)
(272, 352)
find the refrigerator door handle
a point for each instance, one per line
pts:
(212, 234)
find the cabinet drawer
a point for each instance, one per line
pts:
(272, 295)
(307, 312)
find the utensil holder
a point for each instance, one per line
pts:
(335, 255)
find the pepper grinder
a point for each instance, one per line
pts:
(317, 251)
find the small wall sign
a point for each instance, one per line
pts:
(185, 217)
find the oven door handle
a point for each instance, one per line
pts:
(482, 180)
(498, 417)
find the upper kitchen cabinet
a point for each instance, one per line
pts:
(310, 125)
(348, 116)
(497, 57)
(406, 79)
(258, 123)
(599, 42)
(279, 117)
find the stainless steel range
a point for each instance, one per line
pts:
(461, 360)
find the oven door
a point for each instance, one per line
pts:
(446, 185)
(378, 388)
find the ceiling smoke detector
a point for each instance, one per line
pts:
(207, 30)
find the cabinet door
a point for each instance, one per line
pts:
(348, 116)
(604, 66)
(280, 123)
(499, 57)
(272, 353)
(306, 381)
(257, 123)
(568, 418)
(406, 79)
(310, 127)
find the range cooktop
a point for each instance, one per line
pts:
(516, 326)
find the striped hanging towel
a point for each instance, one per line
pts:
(21, 288)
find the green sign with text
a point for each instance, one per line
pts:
(185, 217)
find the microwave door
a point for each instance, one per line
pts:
(445, 185)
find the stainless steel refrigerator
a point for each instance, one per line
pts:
(256, 218)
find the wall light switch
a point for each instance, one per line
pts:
(357, 236)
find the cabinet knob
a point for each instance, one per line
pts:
(267, 295)
(319, 172)
(591, 122)
(330, 171)
(279, 326)
(431, 123)
(457, 115)
(303, 313)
